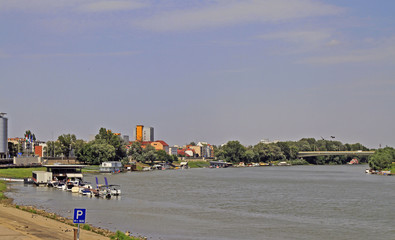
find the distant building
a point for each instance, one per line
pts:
(267, 141)
(160, 145)
(125, 138)
(139, 133)
(148, 134)
(187, 152)
(196, 149)
(3, 135)
(143, 134)
(173, 150)
(202, 149)
(16, 140)
(39, 149)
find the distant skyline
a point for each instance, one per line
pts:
(208, 70)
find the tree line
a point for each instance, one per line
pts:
(382, 159)
(105, 147)
(109, 147)
(235, 152)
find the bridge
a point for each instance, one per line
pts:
(332, 153)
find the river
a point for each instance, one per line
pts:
(298, 202)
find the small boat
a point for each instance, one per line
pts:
(28, 181)
(75, 189)
(52, 183)
(115, 190)
(104, 192)
(60, 185)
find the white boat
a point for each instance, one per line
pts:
(75, 189)
(115, 190)
(104, 191)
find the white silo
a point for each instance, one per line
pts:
(3, 135)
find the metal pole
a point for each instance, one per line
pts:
(78, 233)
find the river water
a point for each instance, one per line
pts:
(298, 202)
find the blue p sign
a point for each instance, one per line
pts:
(79, 215)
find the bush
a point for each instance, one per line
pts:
(3, 187)
(121, 236)
(86, 227)
(299, 162)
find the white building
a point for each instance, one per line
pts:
(173, 150)
(111, 167)
(267, 141)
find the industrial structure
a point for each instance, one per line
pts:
(3, 135)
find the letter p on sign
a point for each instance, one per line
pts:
(79, 215)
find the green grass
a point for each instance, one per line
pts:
(19, 172)
(91, 168)
(86, 227)
(3, 187)
(198, 164)
(121, 236)
(393, 168)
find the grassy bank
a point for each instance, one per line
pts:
(3, 187)
(91, 169)
(198, 164)
(19, 172)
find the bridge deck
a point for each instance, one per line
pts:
(332, 153)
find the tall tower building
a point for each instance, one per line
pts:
(3, 135)
(139, 133)
(148, 134)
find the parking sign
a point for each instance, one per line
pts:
(79, 215)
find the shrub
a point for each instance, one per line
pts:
(86, 227)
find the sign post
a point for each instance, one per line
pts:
(79, 217)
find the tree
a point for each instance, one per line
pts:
(100, 151)
(67, 143)
(53, 149)
(148, 155)
(113, 140)
(175, 158)
(382, 158)
(232, 151)
(161, 155)
(293, 152)
(95, 152)
(135, 150)
(262, 152)
(250, 156)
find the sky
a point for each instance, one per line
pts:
(203, 70)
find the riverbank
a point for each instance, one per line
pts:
(18, 224)
(28, 222)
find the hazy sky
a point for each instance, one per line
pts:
(204, 70)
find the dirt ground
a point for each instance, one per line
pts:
(16, 224)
